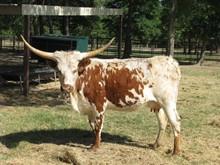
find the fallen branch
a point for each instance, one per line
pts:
(201, 60)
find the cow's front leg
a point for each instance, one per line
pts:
(96, 123)
(162, 122)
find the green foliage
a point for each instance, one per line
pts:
(147, 21)
(13, 25)
(198, 19)
(195, 19)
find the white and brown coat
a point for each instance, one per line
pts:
(125, 85)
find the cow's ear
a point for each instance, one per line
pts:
(82, 65)
(52, 64)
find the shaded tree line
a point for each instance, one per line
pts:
(189, 22)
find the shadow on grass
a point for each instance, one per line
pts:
(64, 137)
(11, 95)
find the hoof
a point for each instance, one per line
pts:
(169, 151)
(153, 146)
(176, 152)
(94, 148)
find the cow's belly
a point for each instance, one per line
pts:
(83, 106)
(125, 108)
(133, 102)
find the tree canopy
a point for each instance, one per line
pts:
(194, 21)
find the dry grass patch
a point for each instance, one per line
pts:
(215, 121)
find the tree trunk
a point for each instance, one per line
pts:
(171, 28)
(35, 27)
(49, 19)
(128, 33)
(189, 45)
(41, 21)
(41, 25)
(217, 45)
(65, 22)
(184, 44)
(50, 22)
(203, 49)
(217, 50)
(65, 25)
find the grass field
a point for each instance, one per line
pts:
(42, 129)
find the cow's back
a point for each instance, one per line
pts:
(166, 67)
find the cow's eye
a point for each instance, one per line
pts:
(74, 71)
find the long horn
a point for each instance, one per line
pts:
(100, 50)
(40, 53)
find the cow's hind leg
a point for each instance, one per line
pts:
(162, 122)
(96, 123)
(174, 119)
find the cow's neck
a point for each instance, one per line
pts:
(74, 101)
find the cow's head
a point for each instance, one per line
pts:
(67, 63)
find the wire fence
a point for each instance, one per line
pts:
(14, 44)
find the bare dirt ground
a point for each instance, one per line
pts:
(110, 152)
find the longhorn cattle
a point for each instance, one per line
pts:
(121, 84)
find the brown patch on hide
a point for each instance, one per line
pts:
(151, 86)
(82, 65)
(93, 85)
(146, 82)
(121, 83)
(149, 66)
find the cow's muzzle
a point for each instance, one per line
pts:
(67, 88)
